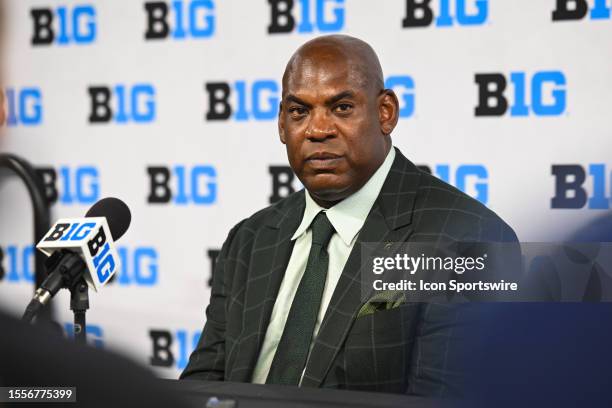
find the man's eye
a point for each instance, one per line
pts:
(343, 108)
(297, 111)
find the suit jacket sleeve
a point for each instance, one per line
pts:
(441, 354)
(207, 362)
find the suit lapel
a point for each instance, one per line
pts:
(389, 221)
(270, 255)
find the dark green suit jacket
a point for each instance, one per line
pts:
(406, 349)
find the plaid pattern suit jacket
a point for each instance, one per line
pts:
(402, 350)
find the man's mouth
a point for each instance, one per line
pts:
(323, 160)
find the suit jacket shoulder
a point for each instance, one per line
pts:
(274, 214)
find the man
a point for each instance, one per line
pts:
(285, 306)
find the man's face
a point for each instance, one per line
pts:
(329, 121)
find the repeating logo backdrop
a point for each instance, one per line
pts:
(171, 106)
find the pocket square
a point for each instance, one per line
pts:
(384, 300)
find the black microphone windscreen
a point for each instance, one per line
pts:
(116, 212)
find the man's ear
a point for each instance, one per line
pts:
(388, 111)
(281, 126)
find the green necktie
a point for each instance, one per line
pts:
(292, 350)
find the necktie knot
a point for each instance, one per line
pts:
(322, 230)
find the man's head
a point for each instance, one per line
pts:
(335, 116)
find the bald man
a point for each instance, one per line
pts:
(286, 304)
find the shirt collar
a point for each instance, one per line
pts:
(349, 215)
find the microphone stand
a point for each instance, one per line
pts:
(65, 269)
(79, 303)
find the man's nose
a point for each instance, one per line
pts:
(320, 126)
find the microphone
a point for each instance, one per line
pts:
(81, 249)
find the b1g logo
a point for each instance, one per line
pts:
(139, 267)
(70, 185)
(422, 13)
(63, 25)
(567, 10)
(182, 185)
(547, 89)
(180, 19)
(570, 183)
(122, 104)
(93, 333)
(259, 100)
(323, 16)
(284, 183)
(172, 348)
(24, 106)
(98, 246)
(472, 179)
(17, 263)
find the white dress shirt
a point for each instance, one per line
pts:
(347, 217)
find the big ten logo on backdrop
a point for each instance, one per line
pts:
(94, 334)
(63, 25)
(259, 99)
(445, 13)
(472, 179)
(122, 103)
(403, 86)
(568, 10)
(139, 265)
(17, 263)
(172, 348)
(179, 19)
(284, 182)
(24, 106)
(182, 185)
(70, 185)
(579, 186)
(212, 254)
(541, 94)
(242, 100)
(306, 16)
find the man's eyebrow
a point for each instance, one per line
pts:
(293, 98)
(341, 95)
(328, 102)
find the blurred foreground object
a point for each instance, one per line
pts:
(38, 356)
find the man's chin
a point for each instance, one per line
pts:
(327, 187)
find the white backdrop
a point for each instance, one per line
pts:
(562, 67)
